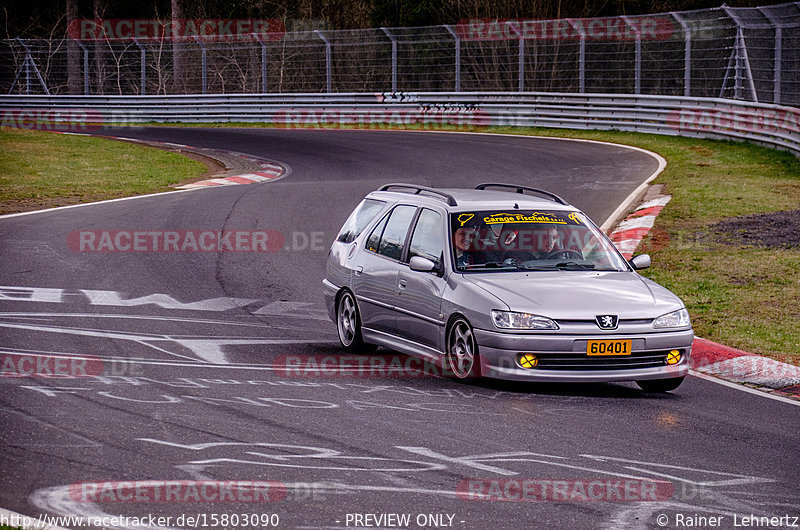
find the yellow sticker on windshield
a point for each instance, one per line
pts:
(464, 217)
(535, 217)
(574, 217)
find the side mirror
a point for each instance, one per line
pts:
(642, 261)
(420, 264)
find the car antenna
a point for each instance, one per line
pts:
(516, 206)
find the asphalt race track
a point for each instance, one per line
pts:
(184, 347)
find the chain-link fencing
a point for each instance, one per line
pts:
(749, 54)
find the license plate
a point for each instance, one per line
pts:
(608, 347)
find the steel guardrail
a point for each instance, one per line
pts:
(766, 124)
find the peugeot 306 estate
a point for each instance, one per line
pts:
(502, 281)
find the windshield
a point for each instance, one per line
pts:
(530, 240)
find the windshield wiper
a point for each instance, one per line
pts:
(574, 265)
(538, 267)
(490, 265)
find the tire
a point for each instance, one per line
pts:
(348, 325)
(462, 358)
(660, 385)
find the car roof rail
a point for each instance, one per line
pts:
(521, 189)
(451, 201)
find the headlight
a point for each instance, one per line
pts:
(512, 320)
(676, 319)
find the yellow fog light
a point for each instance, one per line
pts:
(674, 357)
(527, 360)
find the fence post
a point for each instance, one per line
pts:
(776, 98)
(742, 59)
(263, 63)
(394, 58)
(85, 67)
(203, 60)
(328, 69)
(142, 67)
(27, 64)
(581, 55)
(637, 81)
(27, 72)
(687, 54)
(458, 56)
(521, 55)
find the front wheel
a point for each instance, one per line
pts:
(348, 324)
(660, 385)
(462, 350)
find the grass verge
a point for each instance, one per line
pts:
(42, 170)
(739, 295)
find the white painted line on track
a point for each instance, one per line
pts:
(744, 388)
(20, 214)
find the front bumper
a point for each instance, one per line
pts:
(563, 357)
(329, 293)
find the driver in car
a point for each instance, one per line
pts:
(464, 245)
(550, 241)
(524, 244)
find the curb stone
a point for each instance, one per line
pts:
(709, 357)
(240, 168)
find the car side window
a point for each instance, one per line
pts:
(359, 219)
(389, 236)
(375, 237)
(427, 238)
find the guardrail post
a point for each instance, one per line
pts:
(776, 98)
(687, 54)
(203, 61)
(458, 56)
(85, 67)
(142, 67)
(328, 69)
(581, 55)
(263, 63)
(637, 81)
(394, 58)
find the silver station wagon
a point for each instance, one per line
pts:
(502, 281)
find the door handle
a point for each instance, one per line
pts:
(402, 284)
(358, 271)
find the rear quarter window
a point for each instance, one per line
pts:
(359, 219)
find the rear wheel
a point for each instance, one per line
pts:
(462, 350)
(348, 324)
(660, 385)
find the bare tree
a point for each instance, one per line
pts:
(178, 57)
(73, 51)
(98, 12)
